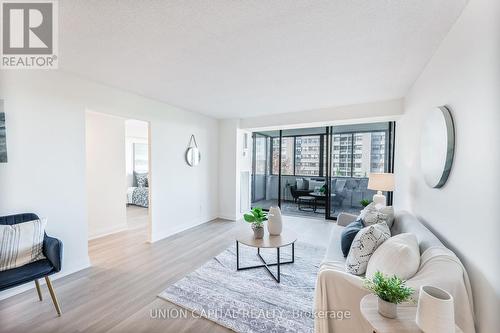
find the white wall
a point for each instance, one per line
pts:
(464, 73)
(348, 114)
(45, 113)
(136, 131)
(228, 171)
(105, 174)
(45, 173)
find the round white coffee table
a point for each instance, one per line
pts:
(286, 238)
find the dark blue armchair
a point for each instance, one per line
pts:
(52, 249)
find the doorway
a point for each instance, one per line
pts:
(117, 175)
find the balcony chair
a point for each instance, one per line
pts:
(52, 250)
(298, 193)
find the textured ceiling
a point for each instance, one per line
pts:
(242, 58)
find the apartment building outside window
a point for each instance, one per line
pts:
(358, 154)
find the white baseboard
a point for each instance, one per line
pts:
(180, 229)
(107, 232)
(227, 217)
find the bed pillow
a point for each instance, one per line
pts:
(364, 245)
(21, 243)
(348, 234)
(373, 214)
(141, 179)
(399, 255)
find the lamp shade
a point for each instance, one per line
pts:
(381, 181)
(435, 311)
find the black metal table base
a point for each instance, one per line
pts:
(265, 264)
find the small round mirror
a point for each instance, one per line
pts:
(193, 156)
(437, 146)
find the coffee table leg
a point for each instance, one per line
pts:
(293, 252)
(237, 256)
(278, 261)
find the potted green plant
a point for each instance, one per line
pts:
(256, 217)
(365, 202)
(390, 291)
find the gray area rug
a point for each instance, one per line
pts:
(251, 300)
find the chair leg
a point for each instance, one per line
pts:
(38, 290)
(53, 295)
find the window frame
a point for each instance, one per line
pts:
(322, 152)
(351, 167)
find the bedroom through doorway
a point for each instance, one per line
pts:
(118, 176)
(137, 173)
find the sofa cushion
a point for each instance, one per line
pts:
(373, 214)
(315, 184)
(348, 235)
(302, 184)
(364, 245)
(399, 256)
(333, 252)
(21, 243)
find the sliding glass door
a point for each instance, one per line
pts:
(319, 172)
(264, 183)
(355, 152)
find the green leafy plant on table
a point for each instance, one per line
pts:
(390, 291)
(365, 202)
(256, 217)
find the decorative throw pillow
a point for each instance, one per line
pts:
(21, 243)
(399, 255)
(348, 234)
(373, 214)
(364, 245)
(142, 179)
(300, 183)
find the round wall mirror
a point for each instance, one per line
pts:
(193, 156)
(437, 146)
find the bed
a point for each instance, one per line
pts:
(139, 193)
(138, 196)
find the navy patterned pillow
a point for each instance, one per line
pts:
(348, 235)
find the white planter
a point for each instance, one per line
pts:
(258, 232)
(435, 310)
(274, 221)
(387, 309)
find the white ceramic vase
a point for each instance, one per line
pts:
(435, 310)
(274, 221)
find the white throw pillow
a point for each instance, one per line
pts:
(399, 255)
(365, 243)
(21, 243)
(377, 213)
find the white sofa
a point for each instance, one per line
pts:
(339, 293)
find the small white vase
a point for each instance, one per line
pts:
(387, 309)
(435, 310)
(274, 221)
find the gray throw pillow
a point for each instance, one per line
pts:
(365, 243)
(373, 214)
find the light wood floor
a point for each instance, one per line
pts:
(117, 293)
